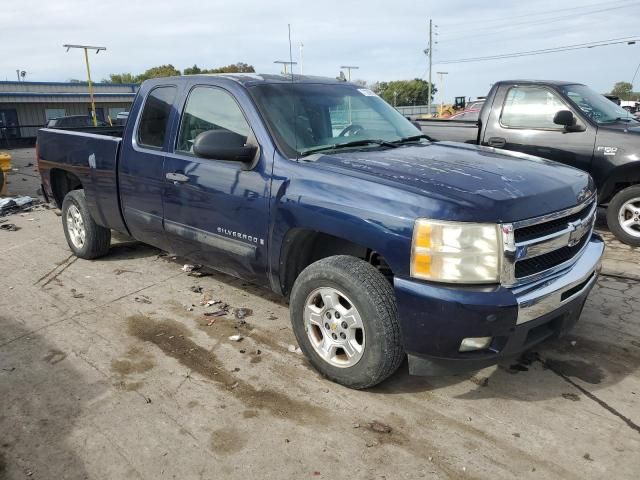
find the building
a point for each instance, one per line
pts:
(27, 106)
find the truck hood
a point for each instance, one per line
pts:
(623, 127)
(477, 183)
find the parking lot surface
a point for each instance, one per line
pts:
(111, 369)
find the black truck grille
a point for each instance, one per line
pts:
(547, 228)
(552, 235)
(531, 266)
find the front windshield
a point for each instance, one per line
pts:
(595, 106)
(309, 117)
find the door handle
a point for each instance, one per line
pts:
(176, 177)
(497, 142)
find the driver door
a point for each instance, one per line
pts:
(524, 123)
(216, 211)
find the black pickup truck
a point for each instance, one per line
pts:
(569, 123)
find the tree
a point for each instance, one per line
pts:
(405, 92)
(192, 70)
(120, 78)
(157, 72)
(239, 67)
(624, 90)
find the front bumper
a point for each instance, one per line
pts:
(436, 318)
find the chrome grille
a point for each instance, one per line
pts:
(535, 247)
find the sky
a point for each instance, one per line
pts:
(385, 40)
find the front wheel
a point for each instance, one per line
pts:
(344, 315)
(623, 215)
(85, 237)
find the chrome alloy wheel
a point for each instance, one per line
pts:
(629, 217)
(75, 227)
(334, 327)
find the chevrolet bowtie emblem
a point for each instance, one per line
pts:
(577, 230)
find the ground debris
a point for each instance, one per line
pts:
(75, 294)
(9, 227)
(195, 288)
(571, 396)
(380, 427)
(142, 299)
(294, 349)
(11, 205)
(236, 338)
(242, 313)
(588, 457)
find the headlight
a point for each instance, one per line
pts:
(455, 252)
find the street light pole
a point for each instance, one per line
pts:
(86, 61)
(441, 83)
(301, 65)
(348, 68)
(284, 65)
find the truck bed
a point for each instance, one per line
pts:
(465, 131)
(91, 155)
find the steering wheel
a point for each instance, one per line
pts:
(350, 130)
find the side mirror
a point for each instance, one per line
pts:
(567, 120)
(223, 145)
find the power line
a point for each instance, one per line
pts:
(543, 13)
(536, 22)
(600, 43)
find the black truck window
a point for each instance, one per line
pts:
(531, 107)
(155, 116)
(209, 108)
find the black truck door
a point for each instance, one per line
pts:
(522, 120)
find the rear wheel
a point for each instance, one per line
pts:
(623, 215)
(85, 237)
(344, 316)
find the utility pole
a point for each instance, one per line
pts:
(86, 61)
(430, 51)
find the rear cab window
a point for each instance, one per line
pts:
(152, 129)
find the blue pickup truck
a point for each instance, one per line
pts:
(386, 245)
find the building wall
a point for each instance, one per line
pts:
(34, 114)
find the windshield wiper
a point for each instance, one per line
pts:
(412, 138)
(354, 143)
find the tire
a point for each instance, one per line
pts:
(625, 206)
(85, 237)
(376, 347)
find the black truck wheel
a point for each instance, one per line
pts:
(623, 215)
(85, 237)
(344, 316)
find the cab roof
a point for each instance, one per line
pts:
(250, 79)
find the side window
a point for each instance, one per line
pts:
(155, 116)
(531, 107)
(209, 108)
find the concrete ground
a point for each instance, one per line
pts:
(105, 373)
